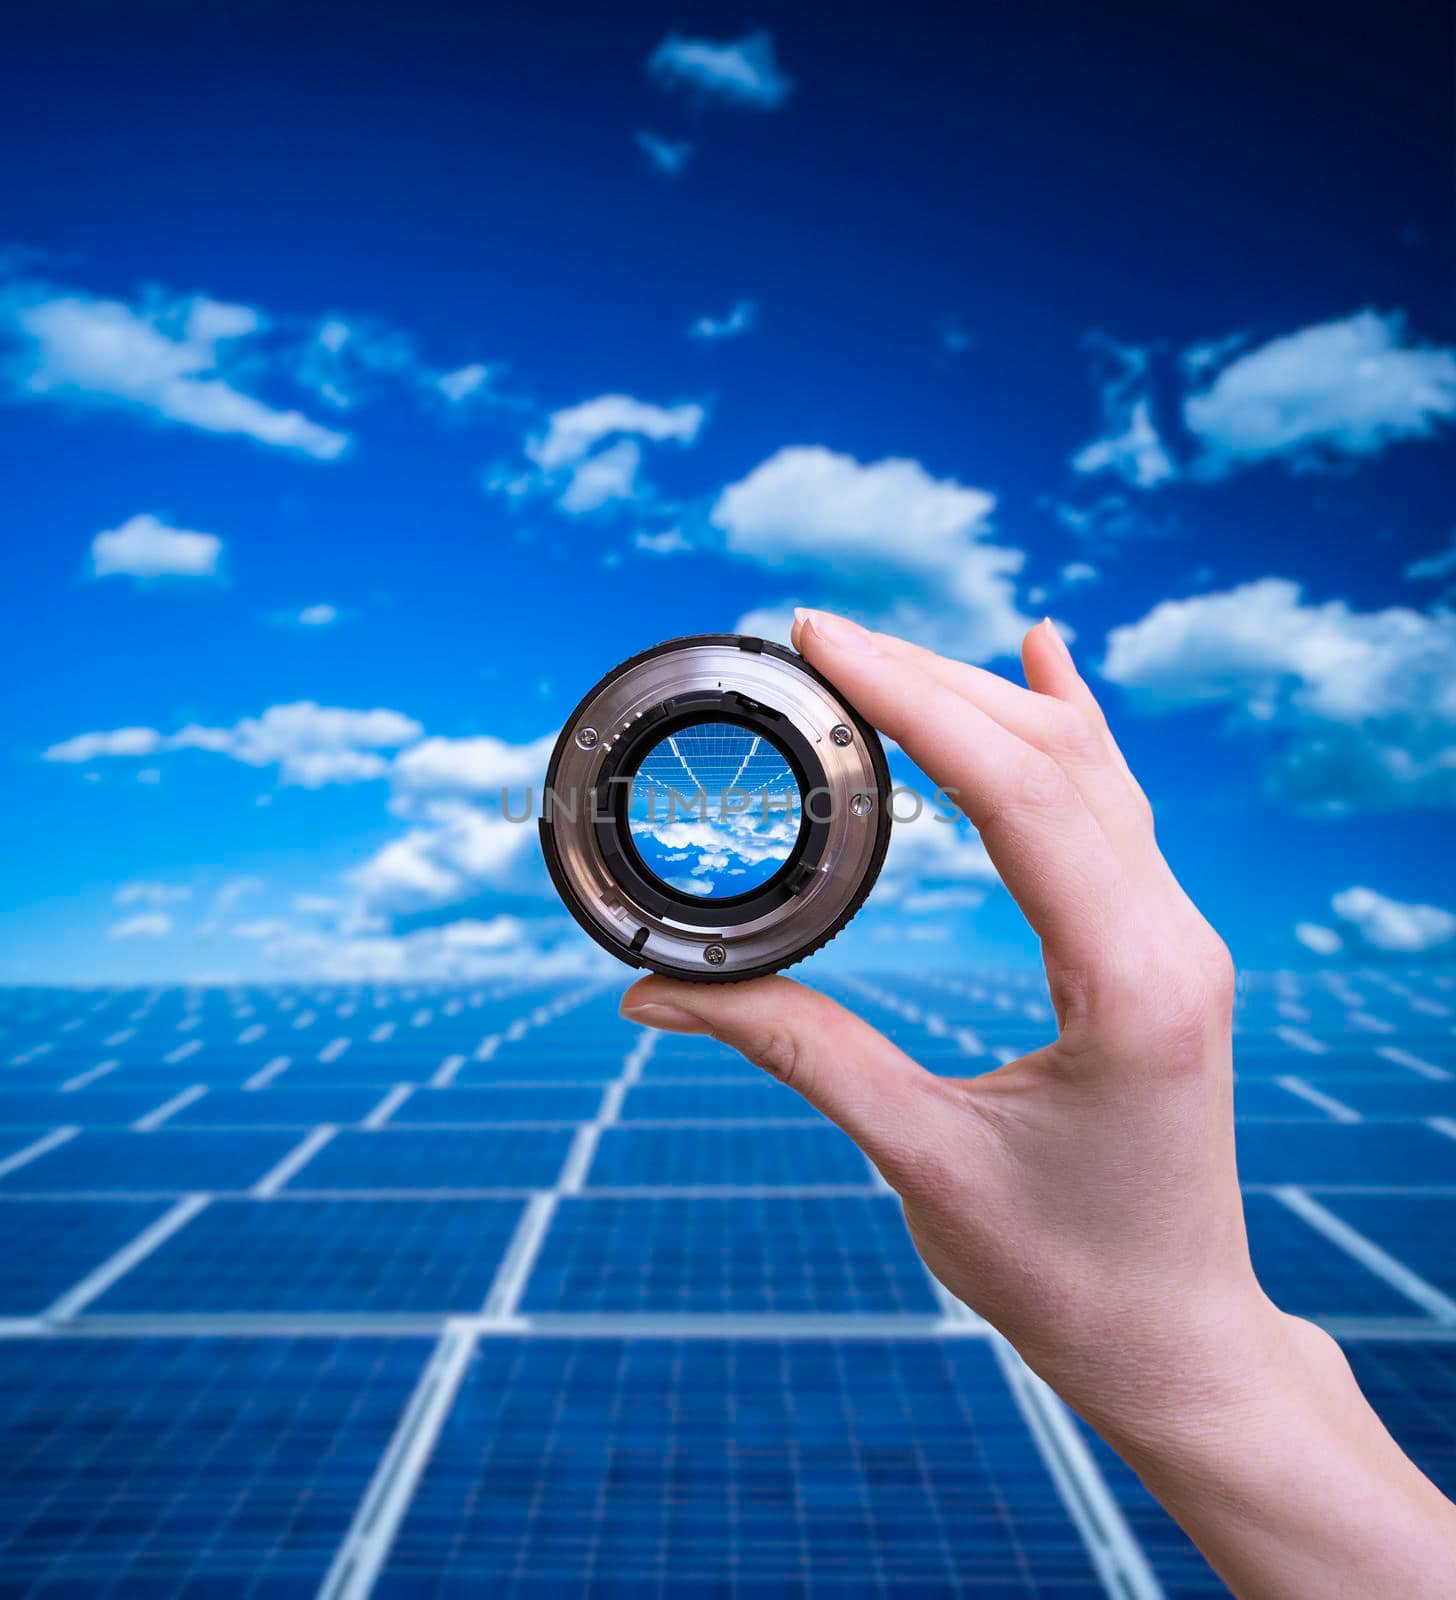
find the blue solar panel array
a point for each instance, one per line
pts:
(444, 1292)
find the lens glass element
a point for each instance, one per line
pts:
(715, 810)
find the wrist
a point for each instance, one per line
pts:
(1156, 1385)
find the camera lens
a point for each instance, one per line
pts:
(714, 810)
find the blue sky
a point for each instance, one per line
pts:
(373, 380)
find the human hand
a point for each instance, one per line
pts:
(1083, 1199)
(1071, 1197)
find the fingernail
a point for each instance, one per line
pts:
(801, 616)
(841, 633)
(672, 1019)
(1061, 643)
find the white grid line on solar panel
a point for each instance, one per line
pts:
(1110, 1542)
(1335, 1109)
(116, 1266)
(1400, 1277)
(381, 1509)
(169, 1108)
(1429, 1191)
(449, 1068)
(34, 1151)
(839, 1326)
(808, 1117)
(716, 757)
(295, 1161)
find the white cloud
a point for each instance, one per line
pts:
(1394, 924)
(480, 765)
(117, 742)
(171, 360)
(582, 477)
(743, 72)
(318, 616)
(502, 947)
(262, 929)
(931, 900)
(348, 361)
(1131, 446)
(146, 547)
(312, 745)
(574, 431)
(151, 894)
(1323, 941)
(1079, 572)
(608, 476)
(458, 850)
(929, 853)
(1136, 454)
(1439, 566)
(145, 925)
(1344, 388)
(1348, 387)
(459, 385)
(740, 320)
(884, 538)
(1362, 704)
(667, 156)
(669, 542)
(471, 934)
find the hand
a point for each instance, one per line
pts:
(1083, 1199)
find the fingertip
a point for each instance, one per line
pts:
(836, 635)
(1046, 660)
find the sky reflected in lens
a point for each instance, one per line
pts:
(714, 810)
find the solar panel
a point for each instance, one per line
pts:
(1303, 1273)
(168, 1161)
(425, 1158)
(329, 1256)
(188, 1466)
(755, 1468)
(707, 1358)
(844, 1254)
(742, 1157)
(1417, 1229)
(52, 1244)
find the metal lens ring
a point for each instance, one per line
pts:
(714, 810)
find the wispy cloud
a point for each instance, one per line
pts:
(741, 319)
(144, 925)
(312, 745)
(1358, 704)
(168, 359)
(146, 547)
(1336, 390)
(667, 156)
(884, 538)
(1344, 388)
(743, 72)
(1131, 446)
(143, 893)
(1394, 925)
(588, 456)
(575, 430)
(1315, 936)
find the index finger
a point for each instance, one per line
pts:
(1047, 846)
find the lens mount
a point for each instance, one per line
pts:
(835, 760)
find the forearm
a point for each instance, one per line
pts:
(1282, 1474)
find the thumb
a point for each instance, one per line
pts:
(841, 1065)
